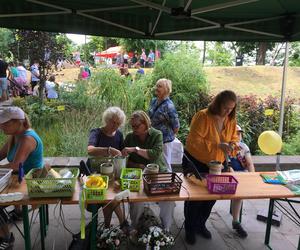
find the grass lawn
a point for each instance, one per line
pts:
(259, 80)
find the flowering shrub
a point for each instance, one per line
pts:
(111, 238)
(155, 238)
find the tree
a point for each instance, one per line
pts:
(7, 38)
(294, 58)
(40, 46)
(137, 44)
(257, 50)
(66, 45)
(219, 55)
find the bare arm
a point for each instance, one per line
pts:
(249, 162)
(141, 152)
(26, 145)
(103, 151)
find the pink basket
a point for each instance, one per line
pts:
(221, 184)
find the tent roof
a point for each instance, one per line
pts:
(110, 52)
(235, 20)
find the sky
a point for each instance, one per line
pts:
(78, 39)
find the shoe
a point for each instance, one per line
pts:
(190, 237)
(7, 244)
(239, 229)
(204, 232)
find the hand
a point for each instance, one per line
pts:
(115, 152)
(126, 151)
(227, 148)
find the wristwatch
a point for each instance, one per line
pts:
(137, 149)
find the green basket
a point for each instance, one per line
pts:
(51, 187)
(133, 185)
(96, 194)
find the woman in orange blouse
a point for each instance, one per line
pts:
(212, 133)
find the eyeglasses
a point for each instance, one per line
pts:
(136, 126)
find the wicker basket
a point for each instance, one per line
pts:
(162, 183)
(96, 194)
(221, 184)
(134, 185)
(51, 187)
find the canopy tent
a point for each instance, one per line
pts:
(235, 20)
(110, 52)
(213, 20)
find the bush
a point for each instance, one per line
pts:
(190, 87)
(292, 146)
(254, 119)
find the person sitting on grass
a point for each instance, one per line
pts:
(241, 162)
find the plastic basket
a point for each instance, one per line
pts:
(96, 194)
(162, 183)
(221, 184)
(51, 187)
(133, 185)
(5, 174)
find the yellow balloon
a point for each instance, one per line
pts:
(270, 142)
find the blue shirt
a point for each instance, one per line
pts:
(164, 117)
(98, 139)
(35, 158)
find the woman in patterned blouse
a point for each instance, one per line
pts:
(164, 117)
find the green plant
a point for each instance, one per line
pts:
(292, 146)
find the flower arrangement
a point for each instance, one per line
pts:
(155, 238)
(111, 238)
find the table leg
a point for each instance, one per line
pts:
(26, 227)
(47, 214)
(269, 222)
(94, 223)
(42, 226)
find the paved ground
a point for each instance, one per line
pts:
(284, 237)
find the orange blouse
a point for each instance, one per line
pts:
(203, 139)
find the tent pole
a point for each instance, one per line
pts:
(282, 99)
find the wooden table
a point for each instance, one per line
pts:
(251, 186)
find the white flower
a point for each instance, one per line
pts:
(117, 242)
(157, 243)
(162, 243)
(145, 241)
(155, 234)
(156, 247)
(149, 237)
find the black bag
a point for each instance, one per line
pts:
(81, 244)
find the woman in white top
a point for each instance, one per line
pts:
(51, 88)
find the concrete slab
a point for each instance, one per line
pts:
(224, 238)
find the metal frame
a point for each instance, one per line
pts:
(269, 219)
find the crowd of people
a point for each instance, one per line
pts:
(214, 135)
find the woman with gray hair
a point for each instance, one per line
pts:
(164, 117)
(108, 141)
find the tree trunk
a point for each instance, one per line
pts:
(204, 51)
(261, 53)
